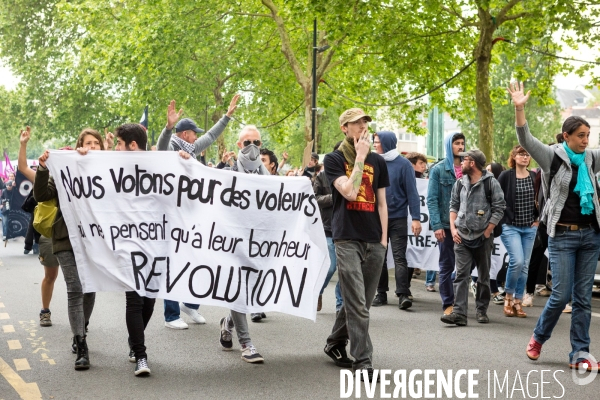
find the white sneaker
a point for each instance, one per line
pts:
(251, 355)
(177, 324)
(527, 300)
(193, 314)
(568, 309)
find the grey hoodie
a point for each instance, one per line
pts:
(559, 191)
(474, 213)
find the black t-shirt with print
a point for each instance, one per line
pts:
(357, 220)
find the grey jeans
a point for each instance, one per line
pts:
(465, 256)
(240, 323)
(80, 306)
(359, 267)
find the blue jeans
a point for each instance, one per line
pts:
(518, 241)
(430, 278)
(447, 259)
(172, 309)
(332, 268)
(573, 259)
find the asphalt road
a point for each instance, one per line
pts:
(189, 364)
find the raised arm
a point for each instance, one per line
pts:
(539, 151)
(284, 158)
(349, 187)
(22, 161)
(204, 141)
(43, 187)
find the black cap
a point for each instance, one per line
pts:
(314, 156)
(475, 155)
(187, 124)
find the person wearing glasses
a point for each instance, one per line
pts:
(476, 207)
(186, 139)
(519, 227)
(248, 162)
(571, 215)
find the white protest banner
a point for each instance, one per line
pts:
(422, 251)
(175, 229)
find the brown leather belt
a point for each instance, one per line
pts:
(564, 227)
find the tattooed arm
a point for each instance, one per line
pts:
(349, 187)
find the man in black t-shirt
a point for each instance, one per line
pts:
(359, 228)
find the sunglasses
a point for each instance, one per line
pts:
(256, 142)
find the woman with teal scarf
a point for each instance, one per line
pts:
(571, 215)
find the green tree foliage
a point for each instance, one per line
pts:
(99, 62)
(544, 114)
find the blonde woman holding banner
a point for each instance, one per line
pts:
(572, 216)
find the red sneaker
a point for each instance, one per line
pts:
(534, 348)
(587, 364)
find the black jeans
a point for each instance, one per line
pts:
(138, 311)
(398, 234)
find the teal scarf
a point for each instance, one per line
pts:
(584, 188)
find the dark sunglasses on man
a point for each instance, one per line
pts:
(247, 143)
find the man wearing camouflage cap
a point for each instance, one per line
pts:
(359, 228)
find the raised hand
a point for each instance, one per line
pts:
(43, 158)
(172, 115)
(226, 156)
(285, 156)
(362, 145)
(25, 135)
(109, 140)
(232, 105)
(517, 92)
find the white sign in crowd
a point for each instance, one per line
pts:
(422, 251)
(175, 229)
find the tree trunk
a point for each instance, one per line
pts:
(483, 55)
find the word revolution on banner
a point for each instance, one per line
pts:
(174, 229)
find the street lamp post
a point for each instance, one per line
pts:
(314, 82)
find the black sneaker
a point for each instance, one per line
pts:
(404, 302)
(482, 318)
(380, 300)
(141, 368)
(131, 356)
(256, 317)
(370, 373)
(225, 339)
(339, 356)
(454, 319)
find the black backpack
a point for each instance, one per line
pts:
(488, 194)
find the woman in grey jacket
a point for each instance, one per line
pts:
(572, 216)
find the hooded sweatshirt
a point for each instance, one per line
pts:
(442, 177)
(402, 192)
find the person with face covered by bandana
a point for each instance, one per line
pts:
(249, 162)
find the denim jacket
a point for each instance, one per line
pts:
(474, 212)
(441, 181)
